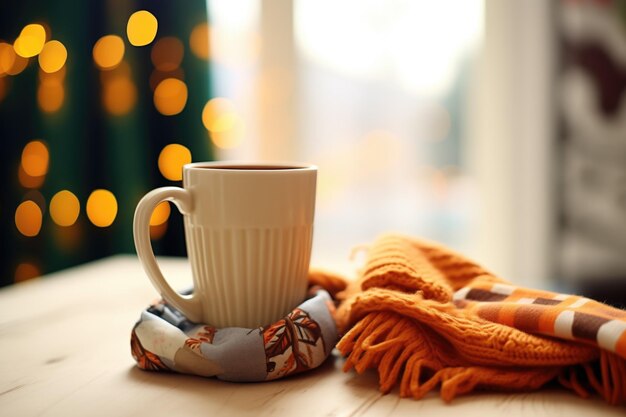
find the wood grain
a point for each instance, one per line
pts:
(64, 344)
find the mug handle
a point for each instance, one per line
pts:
(189, 305)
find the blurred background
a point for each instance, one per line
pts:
(497, 127)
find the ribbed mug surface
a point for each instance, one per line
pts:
(249, 277)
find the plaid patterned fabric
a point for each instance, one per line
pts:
(552, 314)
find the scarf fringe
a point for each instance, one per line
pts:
(405, 352)
(610, 384)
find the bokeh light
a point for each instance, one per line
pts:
(160, 214)
(10, 62)
(170, 96)
(141, 28)
(224, 122)
(229, 132)
(101, 208)
(119, 95)
(108, 52)
(199, 41)
(225, 126)
(52, 57)
(157, 232)
(7, 56)
(25, 271)
(167, 53)
(215, 108)
(64, 208)
(171, 161)
(28, 181)
(28, 218)
(50, 96)
(35, 158)
(31, 41)
(19, 64)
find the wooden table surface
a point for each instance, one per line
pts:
(64, 351)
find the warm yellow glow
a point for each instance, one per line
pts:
(215, 108)
(35, 158)
(199, 41)
(101, 208)
(18, 65)
(28, 218)
(7, 56)
(141, 28)
(64, 208)
(226, 127)
(28, 181)
(10, 62)
(157, 232)
(108, 52)
(119, 96)
(31, 41)
(171, 161)
(26, 271)
(53, 56)
(231, 137)
(160, 214)
(50, 96)
(225, 122)
(167, 53)
(170, 96)
(226, 140)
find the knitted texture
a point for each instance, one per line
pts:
(425, 318)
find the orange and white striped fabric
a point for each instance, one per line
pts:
(565, 316)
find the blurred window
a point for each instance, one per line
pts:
(379, 94)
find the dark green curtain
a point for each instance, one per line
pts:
(90, 148)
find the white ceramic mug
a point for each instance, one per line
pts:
(249, 230)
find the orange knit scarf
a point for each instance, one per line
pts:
(425, 317)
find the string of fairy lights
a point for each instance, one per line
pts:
(119, 97)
